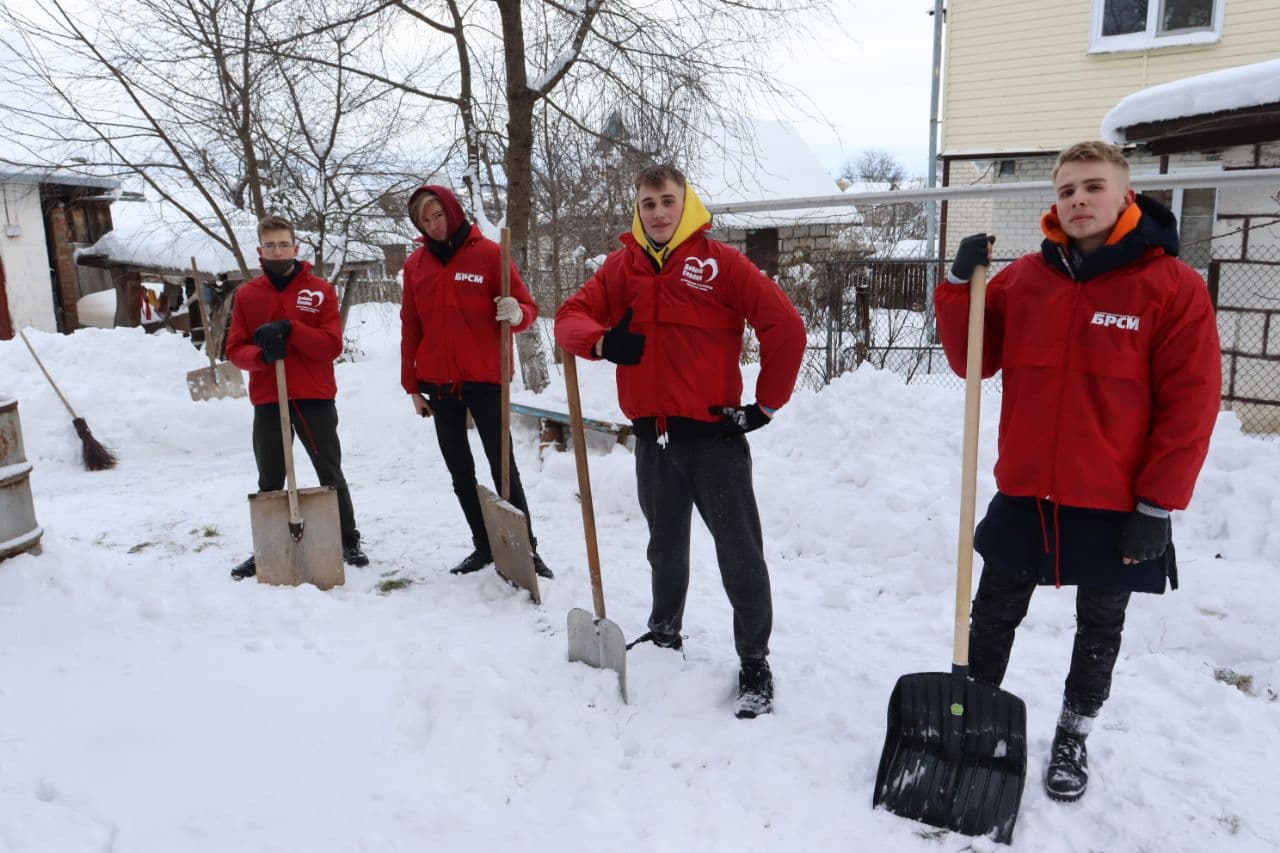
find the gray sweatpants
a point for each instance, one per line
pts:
(713, 474)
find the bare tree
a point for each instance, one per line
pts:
(214, 120)
(885, 226)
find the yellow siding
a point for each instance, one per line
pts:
(1019, 77)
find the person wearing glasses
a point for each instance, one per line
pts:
(450, 351)
(290, 313)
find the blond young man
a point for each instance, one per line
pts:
(1111, 371)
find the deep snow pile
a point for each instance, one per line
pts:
(149, 705)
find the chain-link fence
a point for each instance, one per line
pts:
(879, 313)
(1247, 296)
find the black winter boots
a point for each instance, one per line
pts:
(474, 562)
(247, 569)
(755, 690)
(1068, 774)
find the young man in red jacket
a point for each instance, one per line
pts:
(669, 309)
(288, 311)
(1112, 381)
(450, 359)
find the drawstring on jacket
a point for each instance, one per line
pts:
(1057, 542)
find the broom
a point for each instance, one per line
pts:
(96, 457)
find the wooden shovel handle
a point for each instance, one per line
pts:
(969, 465)
(204, 318)
(505, 343)
(286, 438)
(584, 480)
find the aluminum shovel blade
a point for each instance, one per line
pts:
(216, 383)
(598, 643)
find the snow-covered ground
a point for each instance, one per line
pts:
(148, 704)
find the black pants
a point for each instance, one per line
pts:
(450, 404)
(713, 474)
(315, 423)
(1001, 604)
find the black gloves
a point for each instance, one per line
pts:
(739, 419)
(621, 345)
(271, 338)
(1146, 533)
(973, 251)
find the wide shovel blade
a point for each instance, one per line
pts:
(598, 643)
(954, 758)
(215, 383)
(509, 544)
(315, 557)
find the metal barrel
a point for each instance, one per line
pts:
(18, 529)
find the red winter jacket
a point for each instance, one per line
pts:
(692, 314)
(448, 331)
(1112, 369)
(311, 306)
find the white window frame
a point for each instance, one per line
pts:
(1098, 43)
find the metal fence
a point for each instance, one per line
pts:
(880, 313)
(1247, 296)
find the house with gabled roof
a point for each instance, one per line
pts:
(1023, 80)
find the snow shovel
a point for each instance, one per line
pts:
(297, 537)
(594, 641)
(217, 381)
(505, 524)
(955, 755)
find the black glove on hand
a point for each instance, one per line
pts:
(271, 338)
(620, 344)
(1145, 536)
(973, 251)
(739, 419)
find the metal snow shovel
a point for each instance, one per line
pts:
(955, 755)
(217, 380)
(297, 537)
(505, 524)
(594, 641)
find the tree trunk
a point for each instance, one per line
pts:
(519, 168)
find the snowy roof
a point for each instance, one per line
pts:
(156, 234)
(762, 160)
(1236, 88)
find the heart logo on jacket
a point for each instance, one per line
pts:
(698, 273)
(310, 300)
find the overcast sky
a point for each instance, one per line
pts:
(870, 76)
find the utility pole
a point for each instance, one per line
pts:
(931, 207)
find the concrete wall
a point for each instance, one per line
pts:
(26, 261)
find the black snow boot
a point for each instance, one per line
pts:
(1068, 774)
(247, 569)
(352, 554)
(540, 568)
(755, 690)
(474, 562)
(662, 641)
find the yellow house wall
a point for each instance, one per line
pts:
(1019, 76)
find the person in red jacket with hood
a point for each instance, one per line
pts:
(1112, 382)
(450, 359)
(289, 311)
(669, 309)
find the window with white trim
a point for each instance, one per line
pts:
(1143, 24)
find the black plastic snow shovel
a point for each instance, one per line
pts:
(955, 755)
(594, 641)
